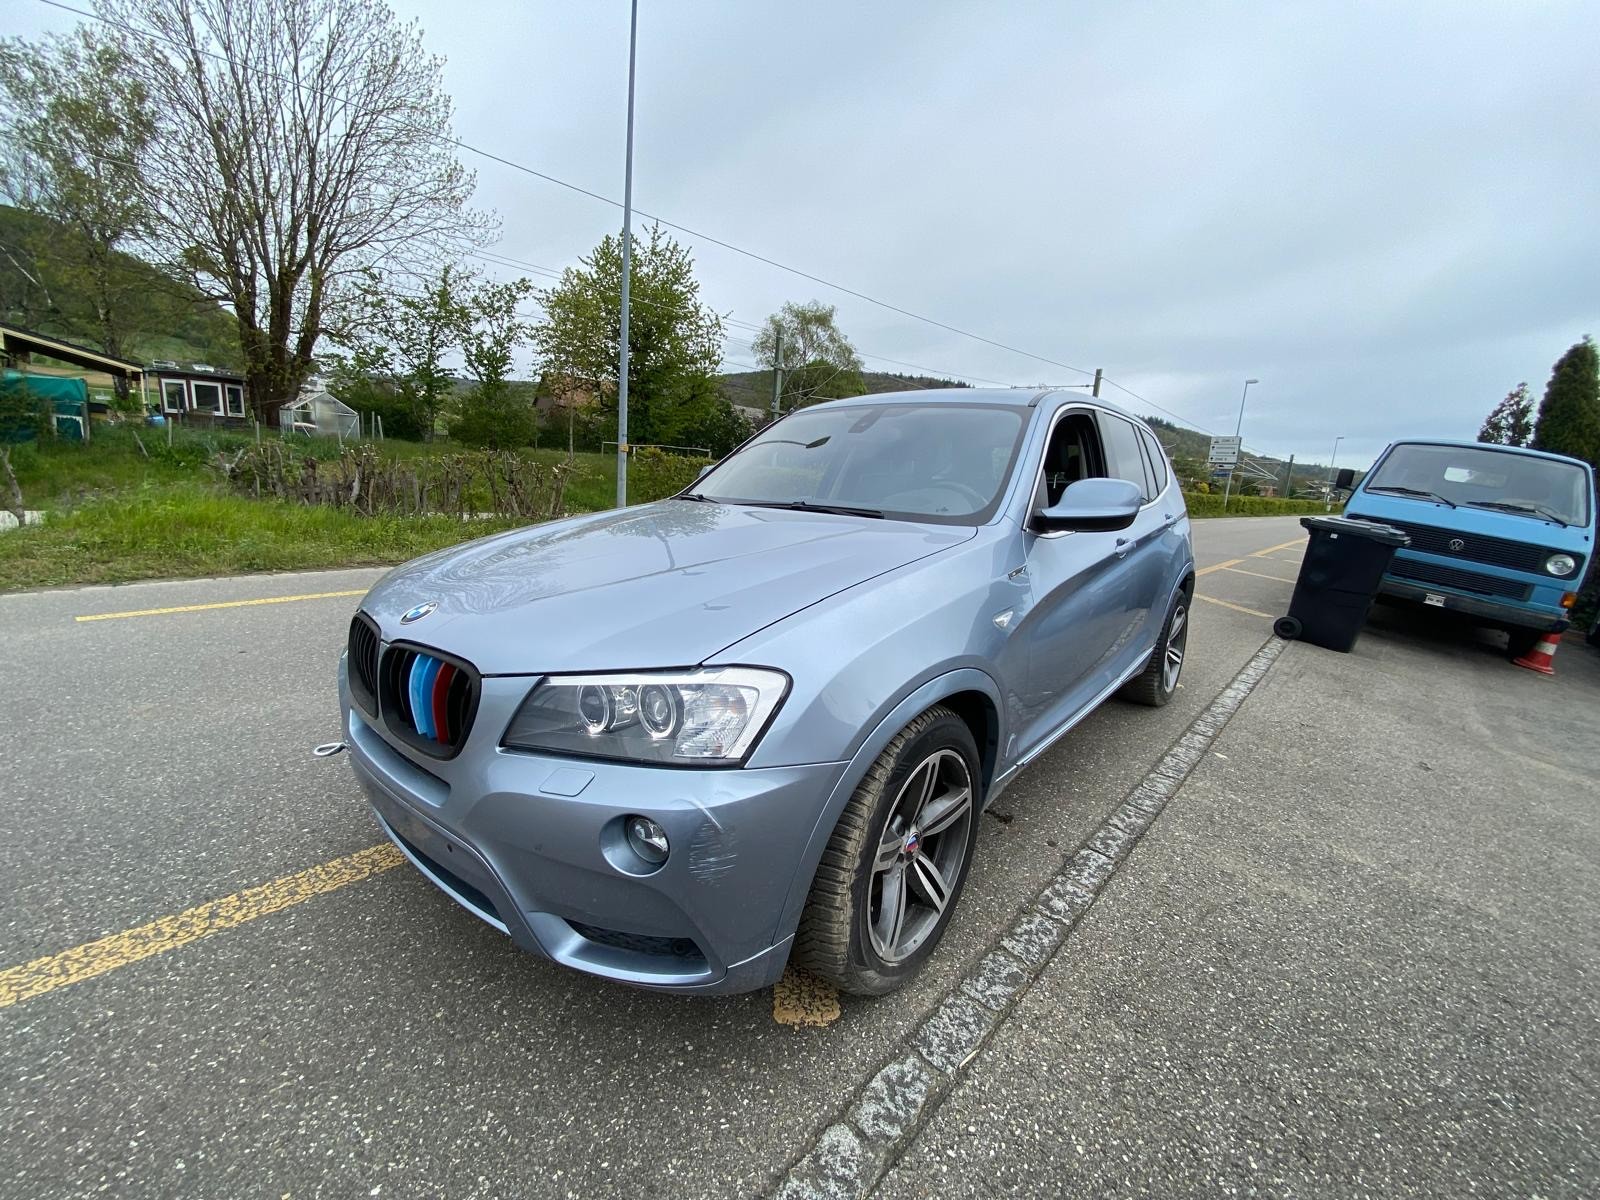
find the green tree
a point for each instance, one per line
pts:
(1569, 417)
(299, 144)
(396, 349)
(818, 361)
(1511, 422)
(80, 126)
(674, 340)
(495, 412)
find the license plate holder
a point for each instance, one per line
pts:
(1433, 599)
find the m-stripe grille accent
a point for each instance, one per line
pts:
(428, 700)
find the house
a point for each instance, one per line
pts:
(198, 392)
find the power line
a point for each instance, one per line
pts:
(573, 187)
(684, 229)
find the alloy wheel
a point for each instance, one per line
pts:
(1177, 642)
(920, 855)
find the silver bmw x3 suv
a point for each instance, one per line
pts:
(683, 744)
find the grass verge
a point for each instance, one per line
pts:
(189, 530)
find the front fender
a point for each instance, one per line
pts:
(911, 705)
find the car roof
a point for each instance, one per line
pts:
(1461, 443)
(1015, 397)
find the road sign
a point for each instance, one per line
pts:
(1221, 472)
(1224, 451)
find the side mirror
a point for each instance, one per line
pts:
(1345, 479)
(1091, 506)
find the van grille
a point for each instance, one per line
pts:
(1475, 547)
(428, 700)
(1455, 577)
(363, 662)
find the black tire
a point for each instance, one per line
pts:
(1156, 685)
(835, 939)
(1287, 628)
(1520, 641)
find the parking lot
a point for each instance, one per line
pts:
(1355, 954)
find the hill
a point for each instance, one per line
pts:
(753, 389)
(166, 317)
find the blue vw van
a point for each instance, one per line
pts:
(1501, 534)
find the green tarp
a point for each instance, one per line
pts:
(66, 399)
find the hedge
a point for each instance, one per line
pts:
(1250, 506)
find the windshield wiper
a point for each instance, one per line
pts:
(1410, 491)
(700, 496)
(1537, 510)
(843, 510)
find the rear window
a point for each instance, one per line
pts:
(1539, 488)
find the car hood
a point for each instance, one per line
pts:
(663, 585)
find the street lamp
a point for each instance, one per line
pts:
(1227, 489)
(1332, 458)
(627, 271)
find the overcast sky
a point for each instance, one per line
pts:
(1386, 213)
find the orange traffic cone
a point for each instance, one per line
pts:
(1538, 659)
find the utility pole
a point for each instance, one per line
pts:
(1332, 458)
(1288, 478)
(627, 272)
(1227, 489)
(777, 370)
(1097, 373)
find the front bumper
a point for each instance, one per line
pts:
(1499, 612)
(533, 845)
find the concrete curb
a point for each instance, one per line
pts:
(853, 1153)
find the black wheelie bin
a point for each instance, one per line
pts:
(1339, 577)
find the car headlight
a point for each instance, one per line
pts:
(1561, 564)
(710, 717)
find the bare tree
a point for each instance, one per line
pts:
(300, 145)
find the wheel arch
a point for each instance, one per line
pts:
(970, 693)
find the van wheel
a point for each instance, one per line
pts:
(1520, 641)
(1158, 681)
(896, 862)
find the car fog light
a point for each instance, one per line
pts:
(649, 840)
(1561, 564)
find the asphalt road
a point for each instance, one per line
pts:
(353, 1032)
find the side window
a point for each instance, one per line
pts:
(1158, 461)
(1124, 459)
(1073, 454)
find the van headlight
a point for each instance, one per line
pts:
(1561, 564)
(710, 717)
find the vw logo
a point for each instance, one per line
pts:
(417, 613)
(1457, 545)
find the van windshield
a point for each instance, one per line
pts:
(940, 462)
(1539, 488)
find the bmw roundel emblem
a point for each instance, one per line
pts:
(417, 613)
(1458, 545)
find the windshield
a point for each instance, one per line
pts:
(945, 463)
(1518, 483)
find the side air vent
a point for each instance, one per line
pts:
(363, 662)
(429, 699)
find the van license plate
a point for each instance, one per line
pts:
(1434, 599)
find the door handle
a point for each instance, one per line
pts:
(1123, 546)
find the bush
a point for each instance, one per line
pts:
(1250, 506)
(500, 416)
(654, 474)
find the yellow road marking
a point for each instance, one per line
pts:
(1259, 575)
(1221, 566)
(183, 608)
(801, 999)
(1236, 607)
(1299, 541)
(27, 980)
